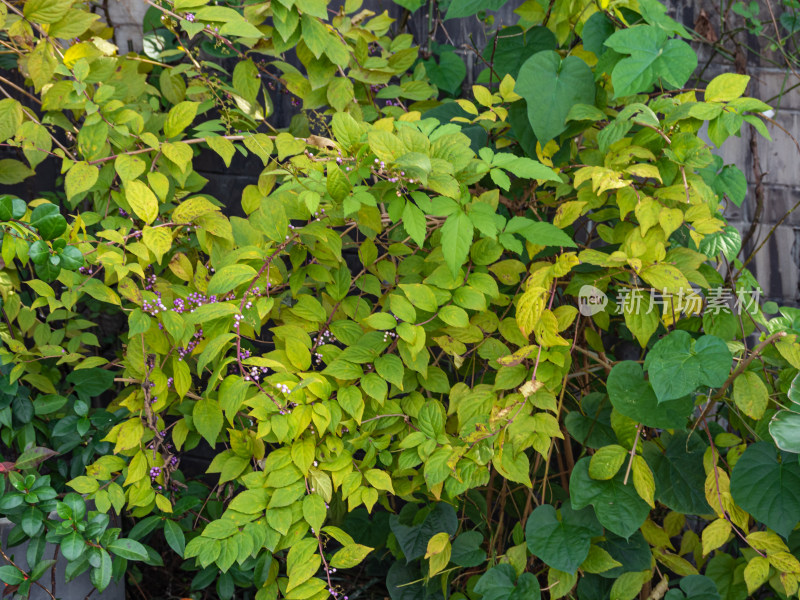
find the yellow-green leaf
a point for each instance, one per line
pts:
(643, 480)
(302, 562)
(599, 561)
(716, 534)
(379, 480)
(45, 11)
(756, 573)
(80, 178)
(222, 146)
(84, 484)
(606, 462)
(350, 556)
(180, 117)
(750, 394)
(628, 585)
(142, 201)
(158, 240)
(10, 118)
(726, 87)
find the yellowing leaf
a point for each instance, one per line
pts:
(302, 561)
(379, 480)
(350, 556)
(158, 240)
(726, 87)
(715, 535)
(756, 573)
(607, 461)
(599, 561)
(546, 330)
(142, 201)
(655, 535)
(670, 219)
(675, 563)
(482, 95)
(628, 585)
(222, 146)
(79, 179)
(45, 11)
(643, 480)
(507, 89)
(180, 117)
(84, 484)
(665, 278)
(10, 118)
(784, 562)
(750, 394)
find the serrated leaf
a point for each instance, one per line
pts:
(180, 117)
(457, 234)
(142, 200)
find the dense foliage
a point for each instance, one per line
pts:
(381, 340)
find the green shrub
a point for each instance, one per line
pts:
(386, 351)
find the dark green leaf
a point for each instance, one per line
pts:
(48, 221)
(49, 270)
(617, 506)
(551, 86)
(413, 539)
(765, 485)
(678, 365)
(39, 252)
(513, 46)
(634, 397)
(11, 575)
(127, 548)
(498, 583)
(71, 258)
(467, 551)
(633, 554)
(678, 472)
(73, 546)
(12, 207)
(596, 31)
(448, 73)
(174, 536)
(101, 574)
(561, 543)
(456, 240)
(539, 232)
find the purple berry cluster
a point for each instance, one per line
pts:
(391, 176)
(328, 337)
(255, 373)
(183, 352)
